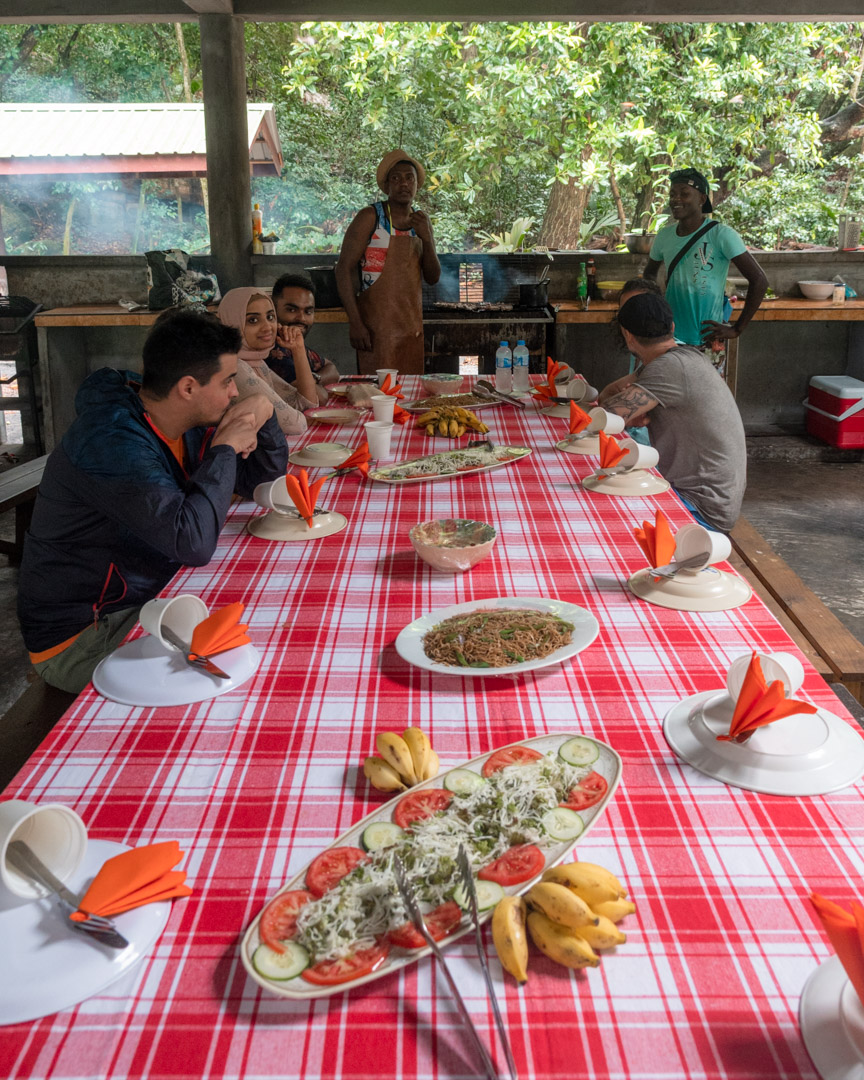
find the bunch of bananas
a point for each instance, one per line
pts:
(573, 911)
(450, 421)
(405, 760)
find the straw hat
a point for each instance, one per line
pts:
(393, 158)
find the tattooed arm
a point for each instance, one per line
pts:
(632, 403)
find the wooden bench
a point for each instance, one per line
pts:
(18, 487)
(836, 653)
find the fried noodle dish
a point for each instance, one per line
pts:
(496, 638)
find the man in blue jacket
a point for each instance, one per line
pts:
(139, 486)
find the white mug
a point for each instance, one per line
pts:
(779, 665)
(638, 455)
(179, 613)
(693, 539)
(609, 422)
(55, 834)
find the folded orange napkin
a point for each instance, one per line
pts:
(392, 389)
(303, 494)
(845, 931)
(611, 452)
(359, 460)
(657, 541)
(760, 704)
(219, 632)
(579, 419)
(134, 878)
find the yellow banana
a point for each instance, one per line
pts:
(453, 428)
(432, 766)
(615, 910)
(423, 420)
(605, 935)
(560, 944)
(560, 905)
(460, 430)
(443, 427)
(430, 429)
(395, 752)
(381, 776)
(484, 429)
(420, 748)
(508, 934)
(594, 884)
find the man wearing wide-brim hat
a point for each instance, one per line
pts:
(387, 253)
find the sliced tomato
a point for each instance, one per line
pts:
(440, 922)
(330, 867)
(279, 919)
(509, 755)
(514, 866)
(420, 805)
(362, 962)
(588, 792)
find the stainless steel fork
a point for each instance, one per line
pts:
(410, 902)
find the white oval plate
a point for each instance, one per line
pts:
(47, 967)
(409, 643)
(608, 765)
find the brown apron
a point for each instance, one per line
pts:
(392, 309)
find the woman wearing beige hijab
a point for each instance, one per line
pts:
(251, 311)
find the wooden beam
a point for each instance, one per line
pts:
(211, 7)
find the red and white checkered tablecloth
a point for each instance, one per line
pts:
(256, 782)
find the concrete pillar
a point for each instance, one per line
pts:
(223, 70)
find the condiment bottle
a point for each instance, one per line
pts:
(592, 280)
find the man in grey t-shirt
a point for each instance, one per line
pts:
(695, 424)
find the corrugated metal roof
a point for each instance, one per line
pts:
(116, 130)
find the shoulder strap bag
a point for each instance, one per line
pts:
(679, 255)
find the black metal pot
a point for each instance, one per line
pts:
(534, 294)
(324, 284)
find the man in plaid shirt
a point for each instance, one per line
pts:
(294, 300)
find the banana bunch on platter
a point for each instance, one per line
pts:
(570, 913)
(450, 422)
(405, 760)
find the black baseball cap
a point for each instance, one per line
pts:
(697, 180)
(647, 316)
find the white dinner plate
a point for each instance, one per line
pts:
(46, 967)
(805, 754)
(708, 590)
(147, 673)
(831, 1018)
(409, 643)
(589, 445)
(632, 484)
(608, 765)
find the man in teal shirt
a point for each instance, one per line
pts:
(696, 281)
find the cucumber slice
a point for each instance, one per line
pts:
(381, 834)
(562, 824)
(280, 966)
(463, 781)
(488, 895)
(579, 751)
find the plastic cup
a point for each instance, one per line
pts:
(693, 539)
(610, 422)
(273, 495)
(378, 435)
(779, 665)
(639, 456)
(383, 406)
(383, 372)
(179, 613)
(55, 834)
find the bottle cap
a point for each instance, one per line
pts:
(520, 342)
(503, 345)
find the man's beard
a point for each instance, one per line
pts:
(304, 329)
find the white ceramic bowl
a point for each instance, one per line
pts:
(817, 290)
(442, 383)
(452, 545)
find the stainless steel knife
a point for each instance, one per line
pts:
(201, 663)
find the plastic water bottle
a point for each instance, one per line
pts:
(521, 359)
(504, 368)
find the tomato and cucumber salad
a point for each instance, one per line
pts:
(349, 917)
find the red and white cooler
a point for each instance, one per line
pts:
(835, 410)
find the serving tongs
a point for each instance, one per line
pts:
(27, 862)
(471, 892)
(200, 663)
(487, 390)
(410, 901)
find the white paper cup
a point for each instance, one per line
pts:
(610, 422)
(56, 835)
(383, 372)
(383, 406)
(273, 495)
(378, 435)
(638, 455)
(779, 665)
(693, 539)
(179, 613)
(564, 377)
(579, 390)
